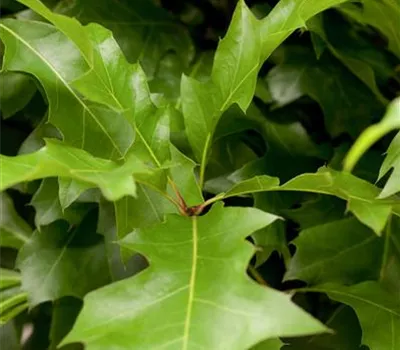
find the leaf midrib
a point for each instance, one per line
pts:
(192, 283)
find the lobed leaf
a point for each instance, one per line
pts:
(57, 262)
(239, 56)
(373, 306)
(359, 194)
(57, 159)
(196, 276)
(83, 124)
(343, 251)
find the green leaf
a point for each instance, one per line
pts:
(194, 284)
(65, 312)
(69, 26)
(59, 262)
(359, 194)
(14, 231)
(9, 336)
(342, 251)
(144, 31)
(383, 15)
(347, 333)
(269, 239)
(300, 73)
(48, 208)
(271, 344)
(16, 90)
(13, 300)
(57, 159)
(9, 278)
(29, 48)
(389, 122)
(392, 161)
(239, 56)
(377, 310)
(352, 52)
(318, 210)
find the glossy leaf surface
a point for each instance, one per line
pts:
(180, 283)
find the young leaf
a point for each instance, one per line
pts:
(14, 231)
(342, 251)
(93, 127)
(389, 122)
(57, 159)
(377, 310)
(59, 262)
(238, 59)
(196, 283)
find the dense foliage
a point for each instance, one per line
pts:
(164, 189)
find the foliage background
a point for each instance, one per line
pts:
(269, 125)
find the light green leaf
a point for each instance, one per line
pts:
(70, 27)
(69, 190)
(392, 161)
(190, 259)
(9, 278)
(13, 300)
(383, 15)
(389, 122)
(16, 90)
(84, 124)
(59, 262)
(57, 159)
(377, 310)
(239, 57)
(270, 344)
(359, 194)
(14, 231)
(342, 251)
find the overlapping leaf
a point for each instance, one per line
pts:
(144, 31)
(350, 110)
(56, 159)
(60, 262)
(196, 276)
(383, 15)
(342, 251)
(84, 124)
(359, 194)
(237, 60)
(13, 300)
(16, 89)
(377, 310)
(14, 231)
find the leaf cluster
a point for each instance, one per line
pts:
(162, 188)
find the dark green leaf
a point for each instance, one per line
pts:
(14, 231)
(60, 262)
(342, 251)
(16, 90)
(377, 310)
